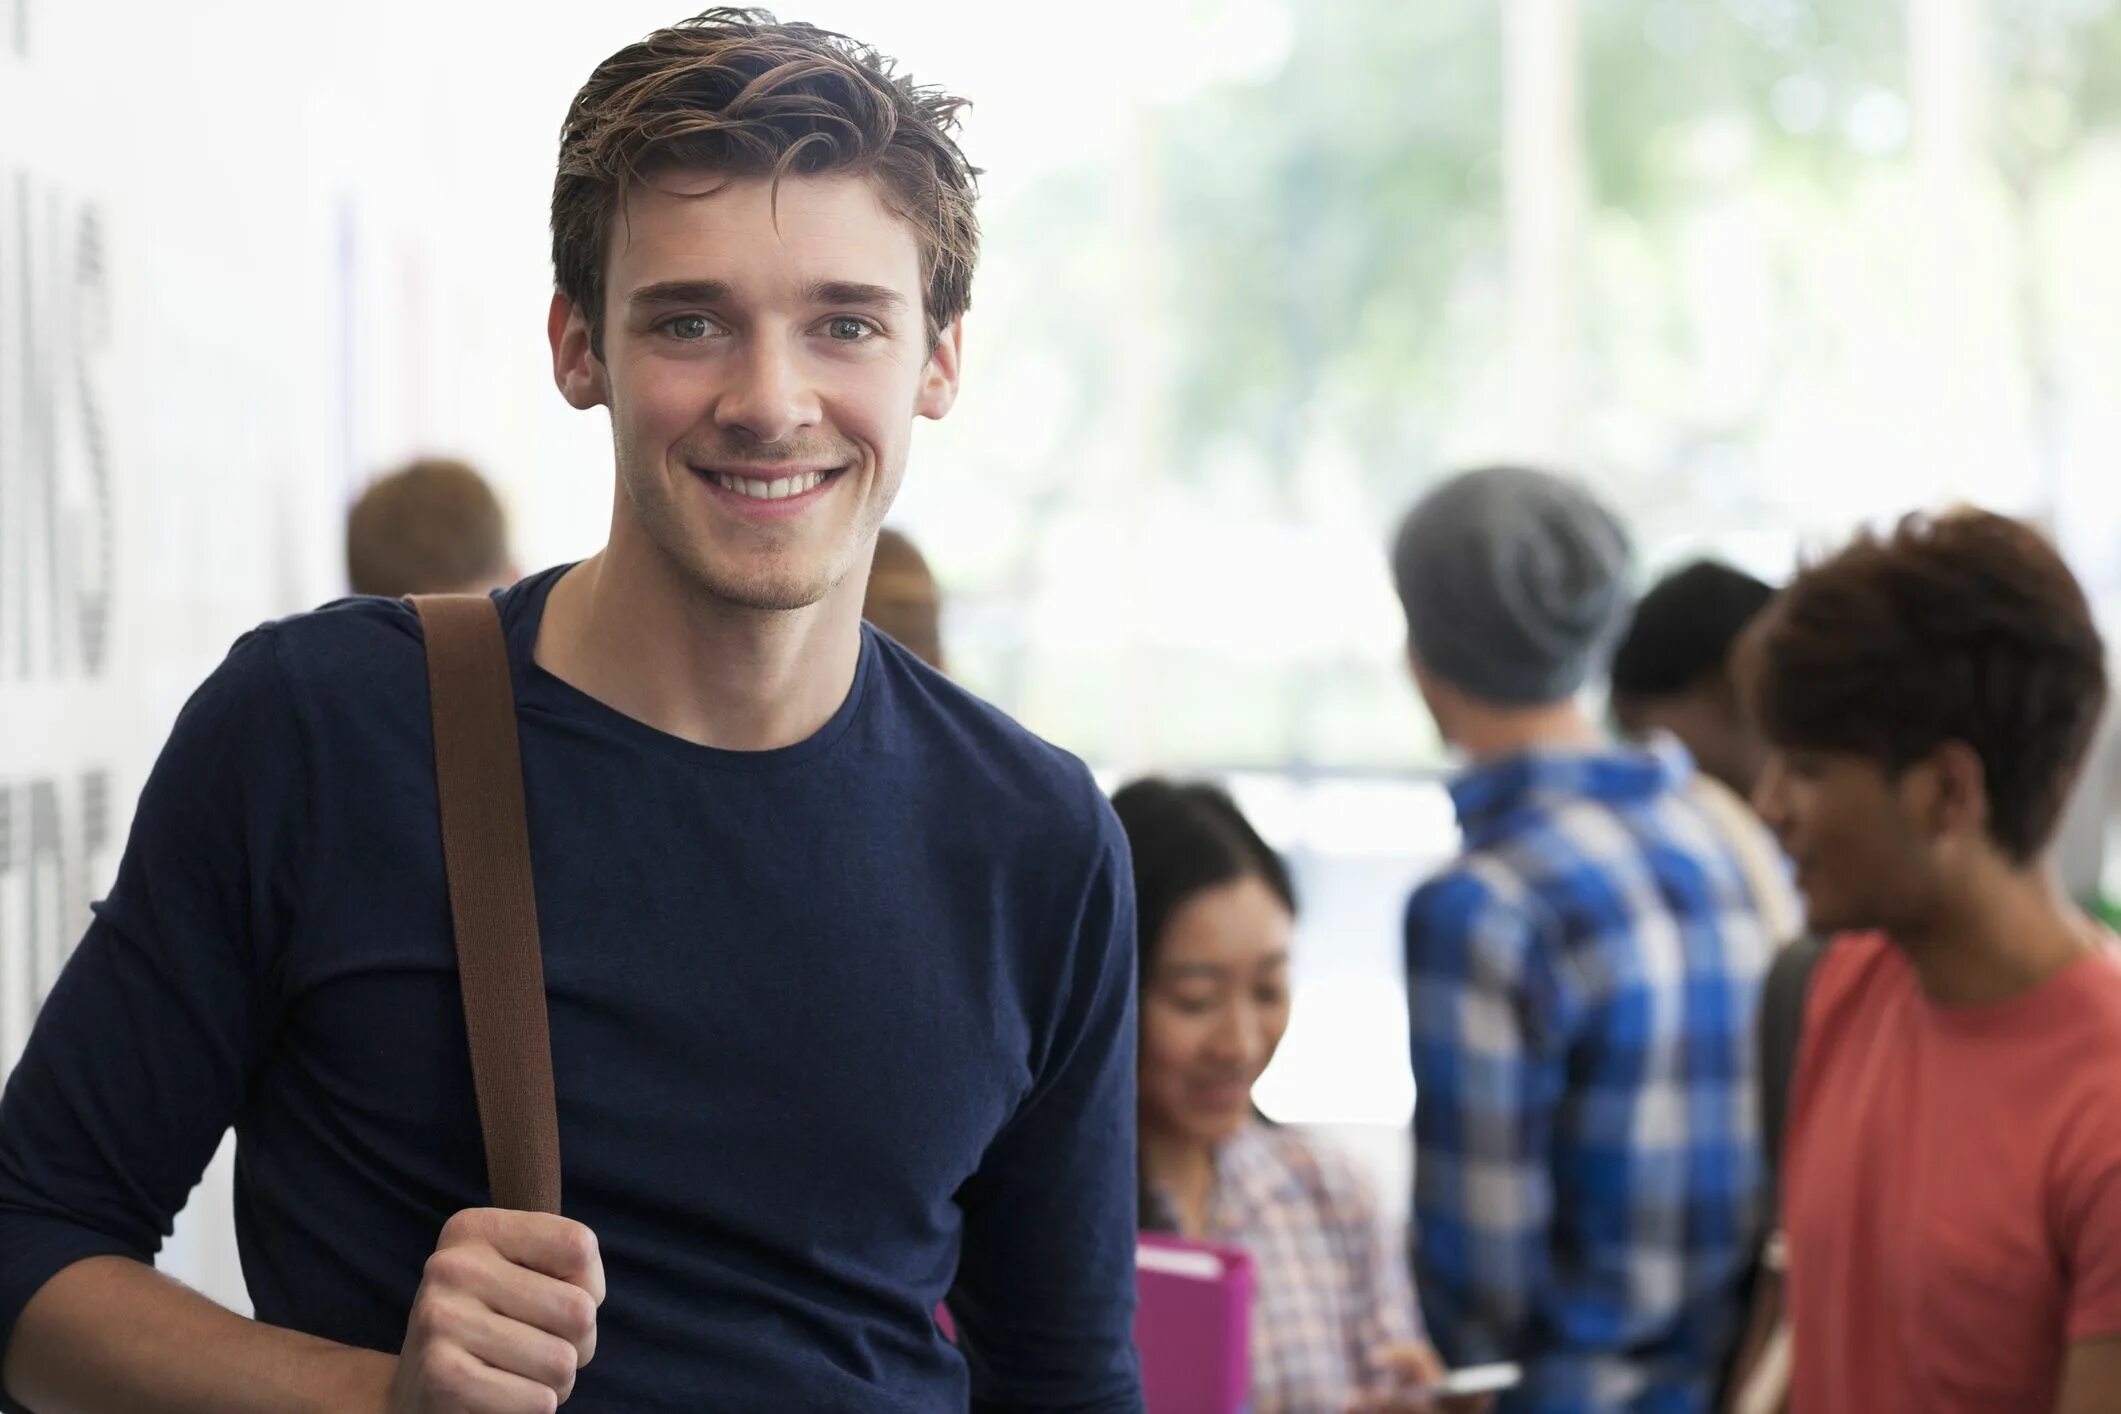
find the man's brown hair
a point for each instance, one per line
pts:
(732, 90)
(430, 527)
(1961, 627)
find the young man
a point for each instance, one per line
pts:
(839, 960)
(432, 527)
(1581, 983)
(1952, 1174)
(1674, 673)
(1672, 670)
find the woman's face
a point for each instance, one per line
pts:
(1214, 1007)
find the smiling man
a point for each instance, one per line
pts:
(1952, 1170)
(838, 959)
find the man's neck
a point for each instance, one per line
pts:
(1495, 735)
(2003, 933)
(626, 630)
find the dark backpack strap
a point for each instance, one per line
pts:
(1789, 980)
(486, 850)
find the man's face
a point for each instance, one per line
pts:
(1865, 858)
(763, 363)
(1709, 722)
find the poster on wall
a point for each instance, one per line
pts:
(166, 356)
(58, 562)
(160, 428)
(203, 354)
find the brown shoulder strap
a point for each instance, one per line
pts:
(486, 850)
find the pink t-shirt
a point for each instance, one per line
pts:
(1953, 1190)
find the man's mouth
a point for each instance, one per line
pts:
(777, 487)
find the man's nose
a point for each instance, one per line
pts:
(769, 396)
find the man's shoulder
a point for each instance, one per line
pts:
(346, 641)
(1852, 971)
(966, 745)
(1594, 865)
(339, 653)
(2086, 1019)
(1474, 882)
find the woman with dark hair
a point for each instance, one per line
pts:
(1335, 1326)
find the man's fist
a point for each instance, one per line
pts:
(505, 1316)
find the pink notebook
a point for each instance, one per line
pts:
(1192, 1324)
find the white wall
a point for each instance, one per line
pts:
(249, 254)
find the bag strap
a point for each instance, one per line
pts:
(1782, 998)
(486, 852)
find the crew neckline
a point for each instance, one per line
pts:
(539, 690)
(2046, 1004)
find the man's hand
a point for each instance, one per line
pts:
(505, 1316)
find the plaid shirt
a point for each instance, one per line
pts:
(1332, 1285)
(1582, 983)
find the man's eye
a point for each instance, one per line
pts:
(688, 328)
(848, 330)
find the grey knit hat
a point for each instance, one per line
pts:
(1514, 582)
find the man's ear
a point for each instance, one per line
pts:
(1435, 695)
(576, 369)
(1954, 787)
(939, 379)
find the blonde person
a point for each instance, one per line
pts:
(1335, 1327)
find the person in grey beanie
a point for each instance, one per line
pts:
(1582, 980)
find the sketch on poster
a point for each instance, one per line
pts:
(57, 568)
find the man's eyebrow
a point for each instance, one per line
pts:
(853, 293)
(678, 292)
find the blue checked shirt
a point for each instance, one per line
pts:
(1582, 982)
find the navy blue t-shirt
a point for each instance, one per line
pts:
(837, 1029)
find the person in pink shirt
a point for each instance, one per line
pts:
(1952, 1167)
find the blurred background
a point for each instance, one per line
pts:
(1255, 272)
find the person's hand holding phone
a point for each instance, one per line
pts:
(1421, 1384)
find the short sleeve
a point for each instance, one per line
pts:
(2092, 1237)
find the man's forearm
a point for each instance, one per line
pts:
(109, 1334)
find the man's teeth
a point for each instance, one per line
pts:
(771, 490)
